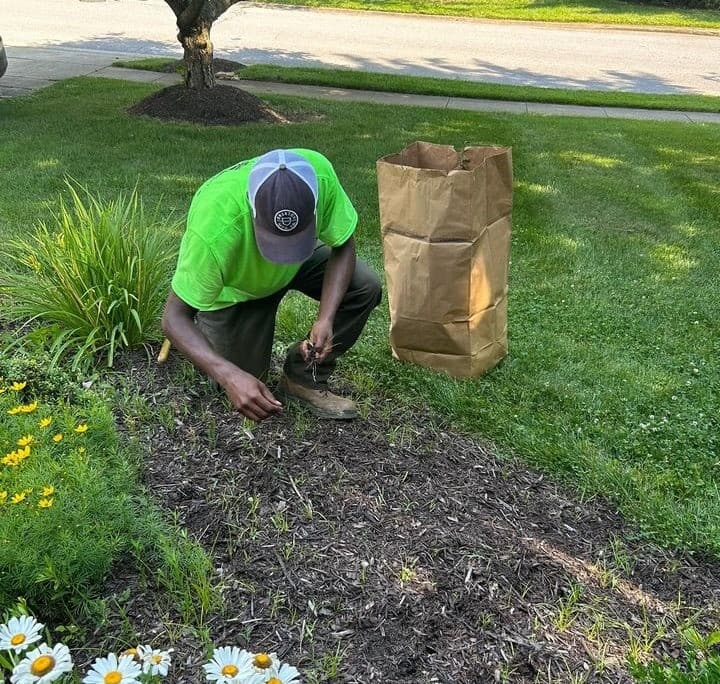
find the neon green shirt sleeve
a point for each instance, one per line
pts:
(198, 279)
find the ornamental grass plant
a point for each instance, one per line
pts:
(94, 278)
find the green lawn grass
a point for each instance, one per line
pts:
(596, 11)
(364, 80)
(611, 381)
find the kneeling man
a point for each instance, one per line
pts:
(265, 226)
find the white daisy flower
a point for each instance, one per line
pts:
(114, 670)
(287, 674)
(42, 665)
(229, 665)
(19, 632)
(154, 661)
(265, 663)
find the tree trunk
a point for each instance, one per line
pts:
(198, 56)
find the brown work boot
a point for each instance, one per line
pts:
(321, 402)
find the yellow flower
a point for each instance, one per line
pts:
(17, 498)
(81, 428)
(44, 422)
(14, 411)
(3, 497)
(48, 490)
(58, 437)
(29, 408)
(17, 386)
(45, 503)
(26, 440)
(15, 458)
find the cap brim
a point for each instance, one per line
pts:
(286, 249)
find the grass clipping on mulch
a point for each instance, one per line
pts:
(221, 105)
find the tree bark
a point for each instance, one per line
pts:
(198, 55)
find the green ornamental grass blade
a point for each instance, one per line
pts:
(95, 272)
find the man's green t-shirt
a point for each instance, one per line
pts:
(219, 263)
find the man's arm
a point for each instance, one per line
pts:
(339, 272)
(249, 395)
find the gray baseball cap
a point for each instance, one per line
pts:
(282, 190)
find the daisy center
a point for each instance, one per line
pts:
(42, 665)
(273, 680)
(157, 659)
(113, 677)
(262, 660)
(229, 670)
(17, 639)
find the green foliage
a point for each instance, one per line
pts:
(66, 506)
(656, 12)
(33, 365)
(700, 665)
(94, 279)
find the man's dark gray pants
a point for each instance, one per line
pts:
(243, 333)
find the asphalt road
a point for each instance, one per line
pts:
(499, 52)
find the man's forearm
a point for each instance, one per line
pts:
(338, 274)
(180, 329)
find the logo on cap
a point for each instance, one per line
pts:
(286, 220)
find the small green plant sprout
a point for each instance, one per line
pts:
(253, 507)
(94, 278)
(364, 565)
(332, 662)
(280, 521)
(407, 572)
(622, 559)
(641, 641)
(568, 609)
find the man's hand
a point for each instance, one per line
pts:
(319, 343)
(250, 396)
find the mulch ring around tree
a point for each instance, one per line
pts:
(395, 549)
(222, 105)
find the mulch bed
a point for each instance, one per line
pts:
(414, 552)
(221, 105)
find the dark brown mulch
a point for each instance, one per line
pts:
(414, 552)
(222, 105)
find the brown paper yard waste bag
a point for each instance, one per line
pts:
(445, 218)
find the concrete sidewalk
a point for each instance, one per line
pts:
(32, 68)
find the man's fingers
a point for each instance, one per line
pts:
(249, 413)
(272, 403)
(261, 404)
